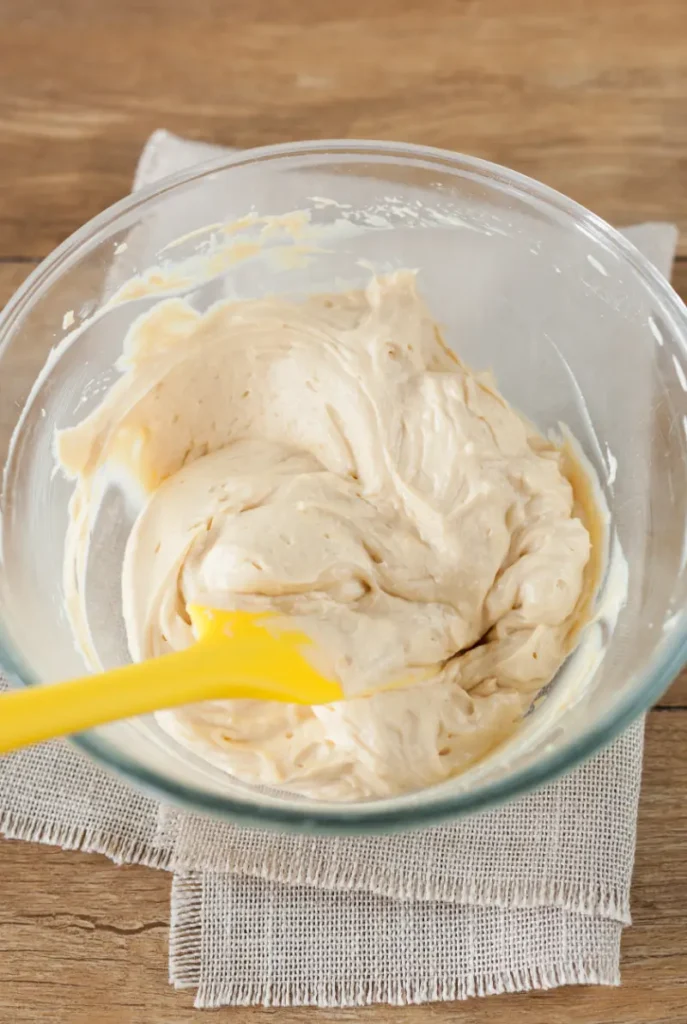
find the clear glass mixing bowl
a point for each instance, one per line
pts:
(578, 327)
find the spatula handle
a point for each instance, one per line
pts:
(201, 672)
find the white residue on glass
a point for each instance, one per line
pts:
(653, 327)
(597, 265)
(680, 373)
(612, 464)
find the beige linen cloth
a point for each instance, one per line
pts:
(532, 895)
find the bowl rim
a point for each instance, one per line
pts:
(371, 817)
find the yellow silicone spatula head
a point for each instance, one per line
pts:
(237, 655)
(261, 650)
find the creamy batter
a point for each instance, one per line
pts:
(333, 461)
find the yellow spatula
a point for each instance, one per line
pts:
(235, 655)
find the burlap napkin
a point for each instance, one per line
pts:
(532, 895)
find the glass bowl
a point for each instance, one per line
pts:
(577, 326)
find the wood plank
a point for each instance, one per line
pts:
(588, 97)
(82, 940)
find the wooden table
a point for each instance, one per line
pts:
(587, 95)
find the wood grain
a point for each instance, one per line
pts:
(589, 96)
(82, 941)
